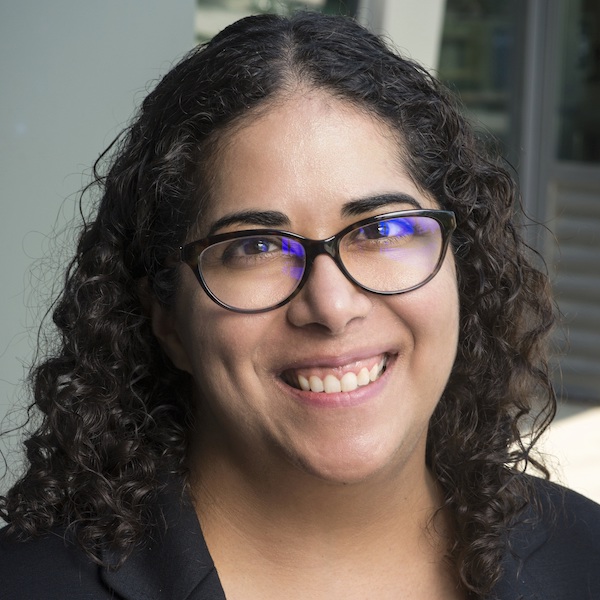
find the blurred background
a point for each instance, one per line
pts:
(527, 72)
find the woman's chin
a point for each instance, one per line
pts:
(348, 465)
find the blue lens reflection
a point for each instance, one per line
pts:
(289, 246)
(296, 250)
(293, 272)
(395, 227)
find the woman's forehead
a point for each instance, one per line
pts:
(307, 158)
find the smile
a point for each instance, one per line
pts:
(333, 381)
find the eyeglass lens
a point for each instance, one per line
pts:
(256, 272)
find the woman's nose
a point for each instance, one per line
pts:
(328, 299)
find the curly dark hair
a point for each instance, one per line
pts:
(116, 413)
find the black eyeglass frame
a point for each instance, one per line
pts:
(189, 253)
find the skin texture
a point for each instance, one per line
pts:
(283, 451)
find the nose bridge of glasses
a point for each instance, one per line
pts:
(315, 248)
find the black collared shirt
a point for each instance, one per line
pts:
(552, 556)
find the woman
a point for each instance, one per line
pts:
(298, 342)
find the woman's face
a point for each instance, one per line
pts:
(307, 159)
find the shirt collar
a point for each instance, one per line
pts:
(175, 563)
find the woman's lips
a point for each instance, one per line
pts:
(333, 380)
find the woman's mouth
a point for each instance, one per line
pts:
(334, 380)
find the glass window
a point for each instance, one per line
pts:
(480, 59)
(214, 15)
(579, 88)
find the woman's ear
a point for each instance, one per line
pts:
(164, 327)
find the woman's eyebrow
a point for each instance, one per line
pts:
(273, 218)
(262, 218)
(360, 206)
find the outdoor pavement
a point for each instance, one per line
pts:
(572, 449)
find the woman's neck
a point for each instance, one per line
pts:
(284, 516)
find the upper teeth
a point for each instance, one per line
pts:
(349, 381)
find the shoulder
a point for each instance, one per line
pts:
(554, 548)
(571, 521)
(171, 563)
(49, 567)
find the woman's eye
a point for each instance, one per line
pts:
(253, 246)
(388, 228)
(259, 247)
(249, 249)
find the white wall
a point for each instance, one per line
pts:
(71, 73)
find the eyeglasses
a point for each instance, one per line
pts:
(257, 270)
